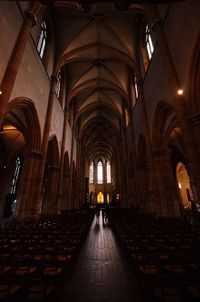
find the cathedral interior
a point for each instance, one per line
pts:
(100, 151)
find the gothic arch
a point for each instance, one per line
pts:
(23, 115)
(20, 132)
(164, 122)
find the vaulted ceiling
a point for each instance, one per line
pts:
(97, 47)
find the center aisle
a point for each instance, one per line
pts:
(101, 272)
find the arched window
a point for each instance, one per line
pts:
(148, 41)
(91, 173)
(99, 172)
(42, 39)
(15, 176)
(58, 86)
(108, 172)
(136, 86)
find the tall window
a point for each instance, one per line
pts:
(136, 86)
(42, 39)
(91, 173)
(58, 86)
(15, 176)
(149, 43)
(108, 172)
(99, 172)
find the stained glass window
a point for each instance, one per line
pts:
(149, 43)
(15, 176)
(136, 86)
(108, 172)
(42, 39)
(91, 173)
(58, 86)
(99, 172)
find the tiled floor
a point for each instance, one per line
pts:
(101, 272)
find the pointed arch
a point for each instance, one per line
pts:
(164, 122)
(23, 115)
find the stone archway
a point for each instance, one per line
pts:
(100, 198)
(20, 141)
(185, 192)
(12, 146)
(166, 134)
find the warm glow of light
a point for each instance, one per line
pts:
(179, 185)
(9, 127)
(180, 91)
(0, 92)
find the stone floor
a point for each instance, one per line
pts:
(101, 272)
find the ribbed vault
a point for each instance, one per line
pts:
(97, 48)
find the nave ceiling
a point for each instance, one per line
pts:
(97, 48)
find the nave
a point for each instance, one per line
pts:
(101, 273)
(73, 257)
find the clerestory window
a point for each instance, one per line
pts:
(42, 39)
(149, 43)
(91, 173)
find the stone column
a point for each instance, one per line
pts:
(65, 191)
(121, 170)
(194, 122)
(153, 179)
(125, 156)
(143, 185)
(82, 179)
(10, 74)
(104, 175)
(133, 177)
(70, 205)
(169, 203)
(52, 205)
(37, 197)
(154, 187)
(26, 205)
(78, 173)
(61, 174)
(179, 103)
(81, 171)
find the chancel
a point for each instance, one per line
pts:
(100, 150)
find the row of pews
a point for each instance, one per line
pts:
(36, 255)
(164, 254)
